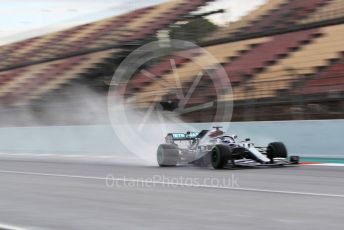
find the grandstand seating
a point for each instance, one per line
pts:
(333, 9)
(264, 55)
(38, 79)
(187, 72)
(299, 64)
(265, 67)
(162, 21)
(306, 63)
(331, 80)
(263, 10)
(5, 51)
(285, 15)
(206, 91)
(155, 16)
(113, 25)
(48, 46)
(156, 71)
(23, 84)
(63, 78)
(281, 14)
(136, 25)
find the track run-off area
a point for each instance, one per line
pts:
(55, 193)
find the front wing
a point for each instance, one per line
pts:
(253, 163)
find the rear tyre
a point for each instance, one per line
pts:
(167, 155)
(220, 156)
(276, 150)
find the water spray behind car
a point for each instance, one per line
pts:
(142, 125)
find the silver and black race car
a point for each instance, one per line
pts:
(214, 147)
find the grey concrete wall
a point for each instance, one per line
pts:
(306, 138)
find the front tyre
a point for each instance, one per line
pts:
(276, 150)
(220, 156)
(167, 155)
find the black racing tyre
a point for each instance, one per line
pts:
(220, 156)
(276, 150)
(167, 155)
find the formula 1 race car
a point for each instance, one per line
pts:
(220, 150)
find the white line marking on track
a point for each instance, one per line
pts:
(65, 155)
(326, 164)
(10, 227)
(70, 156)
(175, 184)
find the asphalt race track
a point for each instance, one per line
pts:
(72, 194)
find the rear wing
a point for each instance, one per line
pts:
(183, 136)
